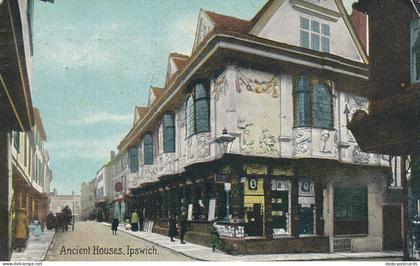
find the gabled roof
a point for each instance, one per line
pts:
(227, 23)
(180, 60)
(154, 93)
(262, 11)
(139, 113)
(39, 125)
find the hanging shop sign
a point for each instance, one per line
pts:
(220, 178)
(280, 185)
(190, 211)
(253, 184)
(212, 209)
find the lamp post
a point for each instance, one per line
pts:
(225, 143)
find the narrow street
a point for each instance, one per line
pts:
(93, 241)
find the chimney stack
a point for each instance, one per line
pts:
(112, 155)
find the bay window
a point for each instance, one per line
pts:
(168, 133)
(148, 149)
(197, 110)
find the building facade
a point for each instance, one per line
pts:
(88, 200)
(293, 179)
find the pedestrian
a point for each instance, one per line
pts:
(214, 236)
(172, 228)
(50, 221)
(35, 228)
(134, 221)
(183, 224)
(114, 225)
(21, 229)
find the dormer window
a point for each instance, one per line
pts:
(314, 35)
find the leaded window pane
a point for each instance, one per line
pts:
(302, 102)
(315, 26)
(304, 39)
(200, 92)
(325, 29)
(304, 23)
(315, 42)
(190, 116)
(168, 133)
(415, 50)
(148, 149)
(322, 106)
(134, 161)
(325, 44)
(202, 115)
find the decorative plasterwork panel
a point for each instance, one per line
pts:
(246, 143)
(271, 86)
(255, 169)
(220, 87)
(359, 156)
(301, 140)
(268, 142)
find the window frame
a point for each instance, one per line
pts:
(193, 95)
(146, 151)
(312, 83)
(321, 34)
(415, 23)
(131, 152)
(166, 147)
(352, 224)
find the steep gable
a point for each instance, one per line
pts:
(154, 93)
(175, 63)
(204, 26)
(139, 113)
(281, 21)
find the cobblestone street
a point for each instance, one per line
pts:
(93, 241)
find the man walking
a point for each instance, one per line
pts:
(172, 228)
(184, 227)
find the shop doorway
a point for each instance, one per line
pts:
(255, 225)
(392, 229)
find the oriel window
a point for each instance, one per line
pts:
(168, 133)
(148, 149)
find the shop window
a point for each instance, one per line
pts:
(253, 205)
(415, 51)
(280, 198)
(148, 149)
(168, 133)
(313, 105)
(133, 158)
(306, 203)
(350, 210)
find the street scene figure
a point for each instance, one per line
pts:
(114, 225)
(214, 236)
(21, 229)
(183, 224)
(35, 228)
(173, 232)
(51, 221)
(134, 221)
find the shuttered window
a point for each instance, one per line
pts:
(168, 133)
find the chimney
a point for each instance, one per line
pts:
(112, 155)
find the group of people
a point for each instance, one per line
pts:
(136, 222)
(183, 228)
(22, 229)
(61, 220)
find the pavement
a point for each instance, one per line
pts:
(204, 253)
(36, 249)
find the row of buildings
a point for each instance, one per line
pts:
(251, 130)
(25, 175)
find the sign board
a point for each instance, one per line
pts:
(219, 178)
(212, 209)
(305, 201)
(227, 186)
(190, 211)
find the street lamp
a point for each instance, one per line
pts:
(225, 143)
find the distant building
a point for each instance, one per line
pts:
(87, 200)
(58, 202)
